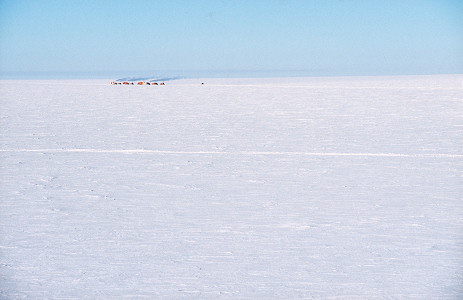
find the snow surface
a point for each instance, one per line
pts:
(283, 188)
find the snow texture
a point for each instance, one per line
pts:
(283, 188)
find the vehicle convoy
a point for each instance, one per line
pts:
(138, 83)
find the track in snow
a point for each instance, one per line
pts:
(145, 151)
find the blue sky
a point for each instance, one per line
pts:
(308, 37)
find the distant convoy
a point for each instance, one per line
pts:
(138, 83)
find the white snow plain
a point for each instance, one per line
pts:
(276, 188)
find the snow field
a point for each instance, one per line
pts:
(287, 188)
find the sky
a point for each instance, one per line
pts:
(279, 37)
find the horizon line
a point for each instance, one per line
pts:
(191, 74)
